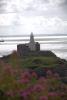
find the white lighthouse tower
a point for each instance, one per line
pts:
(32, 44)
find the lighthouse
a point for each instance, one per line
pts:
(32, 44)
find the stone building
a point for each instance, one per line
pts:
(32, 49)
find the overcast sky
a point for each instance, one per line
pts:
(39, 16)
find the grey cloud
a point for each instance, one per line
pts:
(64, 5)
(3, 5)
(33, 9)
(44, 1)
(62, 2)
(34, 5)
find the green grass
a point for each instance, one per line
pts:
(33, 62)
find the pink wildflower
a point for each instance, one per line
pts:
(56, 75)
(49, 73)
(8, 69)
(52, 94)
(24, 94)
(42, 80)
(25, 75)
(23, 81)
(43, 98)
(9, 93)
(34, 74)
(38, 88)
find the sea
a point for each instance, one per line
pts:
(56, 43)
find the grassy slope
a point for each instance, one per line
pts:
(35, 61)
(38, 61)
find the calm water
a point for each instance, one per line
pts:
(57, 44)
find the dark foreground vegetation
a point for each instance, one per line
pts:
(33, 78)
